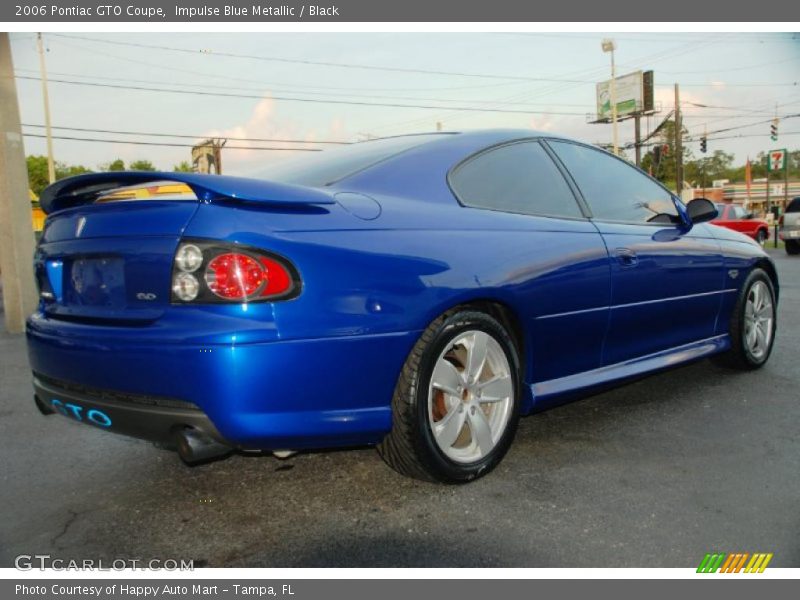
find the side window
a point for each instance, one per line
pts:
(519, 178)
(615, 190)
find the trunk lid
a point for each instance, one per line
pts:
(111, 261)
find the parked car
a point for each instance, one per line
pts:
(790, 227)
(737, 218)
(417, 293)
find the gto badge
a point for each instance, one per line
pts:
(733, 273)
(79, 227)
(146, 296)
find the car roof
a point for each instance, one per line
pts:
(488, 136)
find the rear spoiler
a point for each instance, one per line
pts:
(85, 189)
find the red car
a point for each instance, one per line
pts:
(737, 218)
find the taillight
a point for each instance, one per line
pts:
(780, 221)
(207, 272)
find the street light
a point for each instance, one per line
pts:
(610, 45)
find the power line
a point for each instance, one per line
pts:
(586, 107)
(166, 144)
(252, 89)
(186, 136)
(750, 135)
(307, 100)
(732, 38)
(315, 62)
(208, 52)
(206, 74)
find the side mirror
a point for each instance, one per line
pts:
(701, 210)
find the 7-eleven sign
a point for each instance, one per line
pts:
(776, 160)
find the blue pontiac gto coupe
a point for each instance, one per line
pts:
(418, 293)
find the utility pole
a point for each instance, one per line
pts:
(678, 143)
(637, 144)
(769, 172)
(16, 226)
(610, 45)
(51, 168)
(705, 135)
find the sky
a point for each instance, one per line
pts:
(239, 85)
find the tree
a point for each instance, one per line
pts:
(38, 177)
(183, 167)
(63, 170)
(664, 168)
(115, 165)
(37, 173)
(717, 166)
(141, 165)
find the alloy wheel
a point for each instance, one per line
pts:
(470, 396)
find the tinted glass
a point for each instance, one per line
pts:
(518, 178)
(318, 169)
(794, 206)
(615, 190)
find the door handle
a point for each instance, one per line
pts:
(626, 257)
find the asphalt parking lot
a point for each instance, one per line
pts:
(653, 474)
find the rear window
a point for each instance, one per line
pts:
(156, 190)
(319, 169)
(794, 205)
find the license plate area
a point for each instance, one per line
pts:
(96, 281)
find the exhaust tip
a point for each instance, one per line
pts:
(196, 447)
(282, 454)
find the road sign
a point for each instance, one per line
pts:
(776, 160)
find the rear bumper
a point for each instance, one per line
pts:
(146, 417)
(290, 394)
(789, 234)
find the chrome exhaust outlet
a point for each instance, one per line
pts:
(283, 453)
(196, 447)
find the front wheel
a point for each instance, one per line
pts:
(456, 405)
(761, 236)
(753, 324)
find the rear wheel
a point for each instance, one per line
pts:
(753, 324)
(792, 247)
(456, 404)
(761, 236)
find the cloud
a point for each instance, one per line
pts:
(266, 123)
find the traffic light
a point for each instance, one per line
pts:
(773, 130)
(703, 144)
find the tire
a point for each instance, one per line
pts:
(761, 236)
(426, 418)
(792, 247)
(743, 355)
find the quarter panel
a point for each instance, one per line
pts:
(401, 271)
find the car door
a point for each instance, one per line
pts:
(548, 255)
(666, 283)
